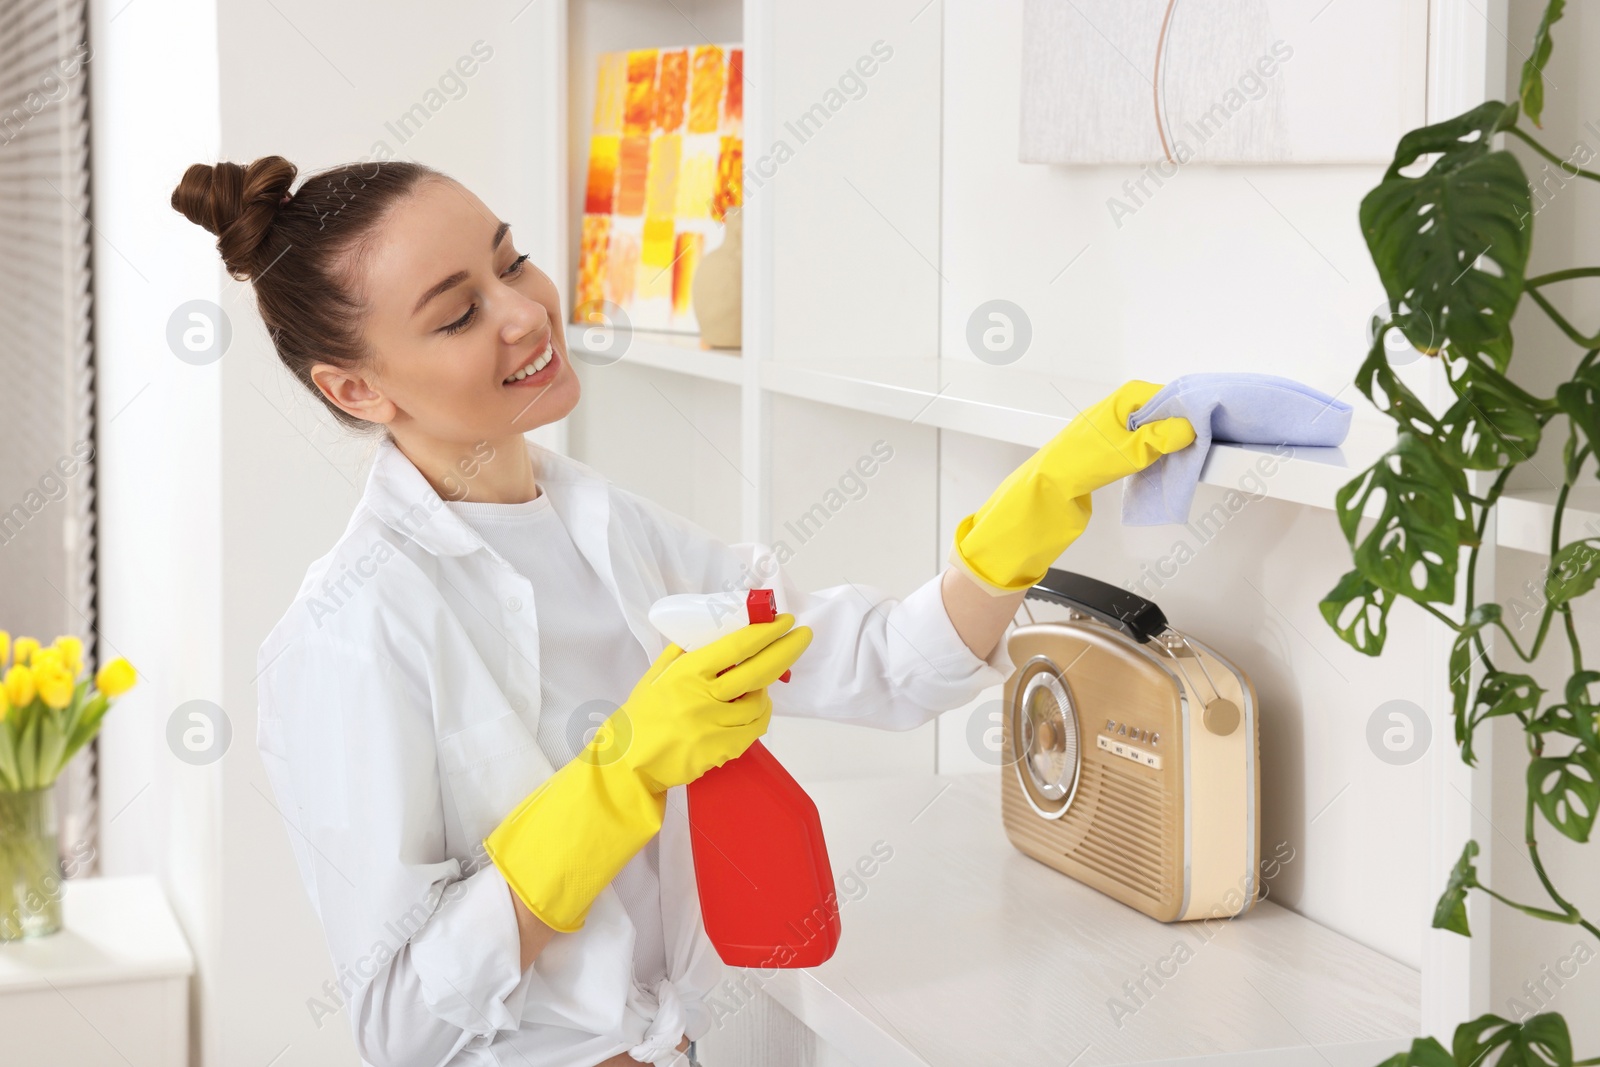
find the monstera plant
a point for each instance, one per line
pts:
(1451, 242)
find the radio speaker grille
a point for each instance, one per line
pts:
(1119, 824)
(1124, 843)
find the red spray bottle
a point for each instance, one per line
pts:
(766, 887)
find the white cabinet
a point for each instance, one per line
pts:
(111, 989)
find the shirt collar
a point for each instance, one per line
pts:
(399, 495)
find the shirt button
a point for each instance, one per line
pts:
(519, 702)
(514, 603)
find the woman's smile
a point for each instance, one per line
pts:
(541, 365)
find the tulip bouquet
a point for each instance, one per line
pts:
(47, 713)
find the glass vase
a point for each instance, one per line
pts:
(30, 867)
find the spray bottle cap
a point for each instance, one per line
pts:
(761, 605)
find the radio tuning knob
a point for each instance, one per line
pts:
(1221, 716)
(1047, 736)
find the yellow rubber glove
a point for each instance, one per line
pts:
(1010, 542)
(571, 836)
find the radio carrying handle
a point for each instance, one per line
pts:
(1129, 612)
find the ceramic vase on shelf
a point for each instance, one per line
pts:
(719, 288)
(30, 866)
(49, 709)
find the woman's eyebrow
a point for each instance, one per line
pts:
(460, 276)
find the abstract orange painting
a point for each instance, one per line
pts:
(596, 235)
(665, 167)
(600, 193)
(671, 90)
(709, 89)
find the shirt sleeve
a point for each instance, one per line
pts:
(425, 946)
(874, 660)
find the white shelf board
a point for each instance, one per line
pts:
(679, 353)
(113, 930)
(958, 949)
(1526, 515)
(1029, 408)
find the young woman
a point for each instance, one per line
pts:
(478, 739)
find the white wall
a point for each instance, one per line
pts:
(221, 484)
(1249, 268)
(159, 466)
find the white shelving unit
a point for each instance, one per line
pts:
(662, 351)
(893, 369)
(999, 403)
(1028, 967)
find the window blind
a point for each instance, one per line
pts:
(47, 528)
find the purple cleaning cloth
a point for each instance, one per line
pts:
(1252, 409)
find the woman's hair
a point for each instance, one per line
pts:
(304, 258)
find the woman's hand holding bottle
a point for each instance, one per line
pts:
(696, 710)
(691, 711)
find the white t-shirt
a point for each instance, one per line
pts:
(588, 662)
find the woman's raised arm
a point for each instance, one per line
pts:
(979, 616)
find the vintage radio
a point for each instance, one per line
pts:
(1130, 756)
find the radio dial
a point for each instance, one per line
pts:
(1047, 731)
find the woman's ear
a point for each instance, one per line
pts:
(352, 393)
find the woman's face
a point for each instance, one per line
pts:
(454, 311)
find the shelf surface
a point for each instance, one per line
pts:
(680, 353)
(1028, 408)
(113, 930)
(959, 949)
(1526, 515)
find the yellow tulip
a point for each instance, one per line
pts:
(5, 646)
(24, 648)
(71, 649)
(55, 687)
(5, 703)
(19, 686)
(47, 659)
(115, 678)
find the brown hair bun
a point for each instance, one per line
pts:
(238, 204)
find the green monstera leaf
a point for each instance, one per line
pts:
(1414, 548)
(1451, 244)
(1462, 658)
(1540, 1041)
(1358, 611)
(1499, 693)
(1567, 790)
(1493, 423)
(1451, 911)
(1424, 1052)
(1577, 718)
(1378, 383)
(1532, 88)
(1573, 571)
(1580, 401)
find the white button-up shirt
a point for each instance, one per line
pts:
(395, 700)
